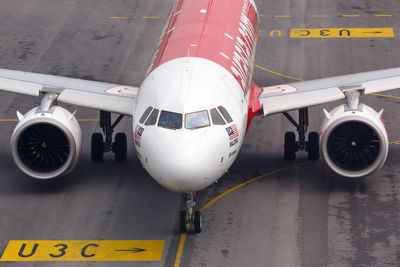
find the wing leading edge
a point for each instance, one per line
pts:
(98, 95)
(286, 97)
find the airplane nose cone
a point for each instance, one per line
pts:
(183, 167)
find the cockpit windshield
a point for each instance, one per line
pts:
(196, 120)
(145, 114)
(170, 120)
(193, 120)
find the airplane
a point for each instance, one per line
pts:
(194, 107)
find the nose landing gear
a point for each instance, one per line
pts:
(99, 146)
(190, 216)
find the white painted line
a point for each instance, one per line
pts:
(225, 56)
(227, 35)
(171, 30)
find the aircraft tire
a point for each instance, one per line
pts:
(290, 146)
(97, 147)
(313, 146)
(182, 222)
(197, 222)
(120, 147)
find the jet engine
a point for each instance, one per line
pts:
(46, 144)
(354, 142)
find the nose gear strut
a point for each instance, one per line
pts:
(190, 215)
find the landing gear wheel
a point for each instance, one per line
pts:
(313, 146)
(97, 147)
(290, 146)
(120, 145)
(182, 222)
(197, 222)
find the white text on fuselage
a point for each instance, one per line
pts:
(243, 56)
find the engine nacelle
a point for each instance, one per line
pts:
(46, 144)
(354, 142)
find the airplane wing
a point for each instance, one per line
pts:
(286, 97)
(98, 95)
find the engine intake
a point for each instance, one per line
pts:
(354, 143)
(47, 144)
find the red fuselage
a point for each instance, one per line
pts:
(223, 31)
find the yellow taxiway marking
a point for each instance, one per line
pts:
(384, 15)
(394, 142)
(342, 33)
(279, 74)
(317, 16)
(183, 236)
(180, 250)
(250, 181)
(388, 96)
(118, 17)
(150, 17)
(282, 16)
(84, 250)
(350, 16)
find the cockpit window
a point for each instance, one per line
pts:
(170, 120)
(152, 119)
(145, 114)
(196, 120)
(225, 113)
(216, 117)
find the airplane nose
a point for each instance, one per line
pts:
(183, 166)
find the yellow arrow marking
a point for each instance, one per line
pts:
(83, 250)
(342, 33)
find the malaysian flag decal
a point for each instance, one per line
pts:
(138, 132)
(232, 132)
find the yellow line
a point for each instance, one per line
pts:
(150, 17)
(117, 17)
(350, 16)
(248, 182)
(388, 96)
(282, 16)
(394, 142)
(383, 15)
(317, 16)
(280, 74)
(180, 250)
(9, 120)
